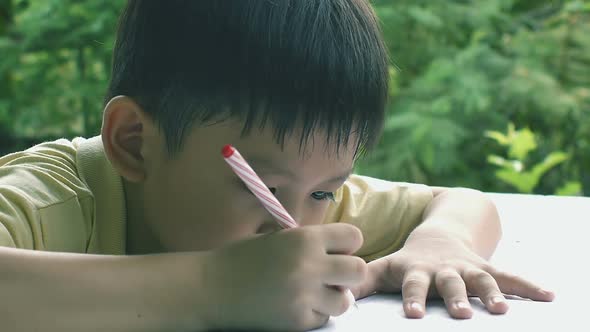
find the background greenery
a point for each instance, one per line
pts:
(488, 94)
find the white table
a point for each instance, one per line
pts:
(546, 239)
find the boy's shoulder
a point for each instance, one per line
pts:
(54, 189)
(60, 163)
(43, 171)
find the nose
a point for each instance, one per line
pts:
(293, 208)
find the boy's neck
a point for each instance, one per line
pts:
(139, 237)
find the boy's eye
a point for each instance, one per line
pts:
(323, 195)
(273, 190)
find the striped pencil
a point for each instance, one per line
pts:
(243, 170)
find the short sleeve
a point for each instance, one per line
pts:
(43, 203)
(386, 212)
(18, 218)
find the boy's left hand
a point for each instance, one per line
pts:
(447, 268)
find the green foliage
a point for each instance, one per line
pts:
(520, 142)
(514, 172)
(570, 188)
(459, 69)
(56, 59)
(465, 68)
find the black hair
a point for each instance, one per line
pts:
(307, 64)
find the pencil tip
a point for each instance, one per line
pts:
(227, 151)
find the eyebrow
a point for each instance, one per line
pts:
(266, 164)
(340, 178)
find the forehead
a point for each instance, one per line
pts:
(312, 147)
(261, 144)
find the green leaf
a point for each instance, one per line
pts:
(552, 160)
(523, 182)
(522, 142)
(570, 188)
(497, 136)
(498, 161)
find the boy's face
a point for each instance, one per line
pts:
(195, 201)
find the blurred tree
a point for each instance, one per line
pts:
(57, 56)
(461, 68)
(515, 170)
(6, 91)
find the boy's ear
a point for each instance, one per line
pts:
(126, 128)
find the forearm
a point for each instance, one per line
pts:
(465, 214)
(79, 292)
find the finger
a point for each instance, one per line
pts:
(333, 301)
(344, 270)
(314, 320)
(515, 285)
(340, 238)
(414, 291)
(381, 276)
(482, 284)
(451, 288)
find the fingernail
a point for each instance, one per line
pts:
(351, 299)
(548, 293)
(461, 305)
(496, 299)
(416, 306)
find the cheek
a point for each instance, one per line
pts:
(306, 211)
(315, 213)
(203, 217)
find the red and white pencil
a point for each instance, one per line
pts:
(243, 170)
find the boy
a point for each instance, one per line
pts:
(145, 228)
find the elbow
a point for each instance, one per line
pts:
(490, 231)
(489, 211)
(487, 230)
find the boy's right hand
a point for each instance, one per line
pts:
(290, 280)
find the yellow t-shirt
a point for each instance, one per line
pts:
(65, 196)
